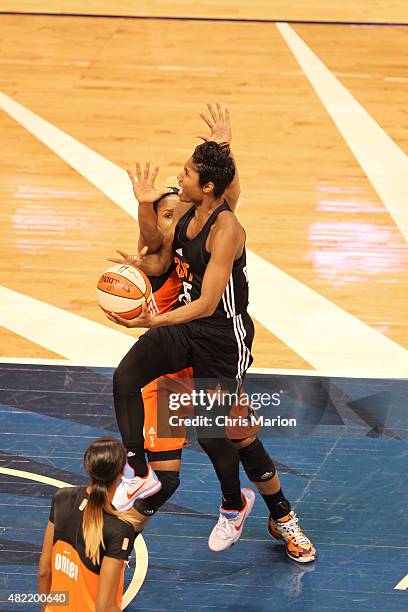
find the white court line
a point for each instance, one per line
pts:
(142, 557)
(384, 163)
(324, 334)
(109, 178)
(403, 584)
(60, 331)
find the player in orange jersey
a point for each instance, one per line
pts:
(87, 542)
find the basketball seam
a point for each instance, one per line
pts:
(127, 297)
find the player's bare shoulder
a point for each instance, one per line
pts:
(227, 224)
(227, 229)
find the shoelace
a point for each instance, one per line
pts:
(224, 526)
(292, 528)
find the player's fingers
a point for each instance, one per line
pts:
(125, 255)
(146, 170)
(155, 173)
(138, 171)
(117, 319)
(118, 261)
(212, 112)
(204, 137)
(220, 113)
(144, 251)
(130, 175)
(206, 120)
(227, 116)
(163, 192)
(110, 317)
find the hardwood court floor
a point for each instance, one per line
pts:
(132, 89)
(319, 10)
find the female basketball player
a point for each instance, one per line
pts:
(87, 542)
(257, 463)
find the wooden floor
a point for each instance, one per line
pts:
(282, 10)
(132, 89)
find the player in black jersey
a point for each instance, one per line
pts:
(212, 332)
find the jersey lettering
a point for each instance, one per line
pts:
(186, 297)
(64, 564)
(181, 268)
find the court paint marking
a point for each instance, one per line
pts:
(403, 584)
(109, 178)
(343, 340)
(382, 160)
(325, 335)
(64, 333)
(142, 555)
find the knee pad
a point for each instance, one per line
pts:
(170, 483)
(256, 462)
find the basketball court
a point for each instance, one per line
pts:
(318, 98)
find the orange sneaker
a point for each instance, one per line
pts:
(298, 546)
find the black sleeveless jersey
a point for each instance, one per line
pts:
(191, 259)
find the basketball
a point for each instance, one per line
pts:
(122, 290)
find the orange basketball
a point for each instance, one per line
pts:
(123, 290)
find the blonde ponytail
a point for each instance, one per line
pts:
(104, 461)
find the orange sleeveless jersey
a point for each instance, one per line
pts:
(72, 571)
(163, 300)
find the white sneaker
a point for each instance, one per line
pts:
(131, 489)
(230, 522)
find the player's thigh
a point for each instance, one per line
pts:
(223, 352)
(159, 351)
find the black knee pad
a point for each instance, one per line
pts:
(256, 462)
(170, 483)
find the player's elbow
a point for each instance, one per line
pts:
(153, 241)
(44, 571)
(154, 246)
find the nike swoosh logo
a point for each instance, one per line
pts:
(135, 491)
(238, 527)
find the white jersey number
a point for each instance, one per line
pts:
(186, 297)
(245, 271)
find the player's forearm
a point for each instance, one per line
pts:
(44, 580)
(195, 310)
(233, 190)
(154, 264)
(150, 233)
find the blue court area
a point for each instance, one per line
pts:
(345, 475)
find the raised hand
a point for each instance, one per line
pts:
(130, 260)
(143, 186)
(219, 124)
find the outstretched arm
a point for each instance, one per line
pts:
(226, 241)
(146, 193)
(220, 126)
(152, 265)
